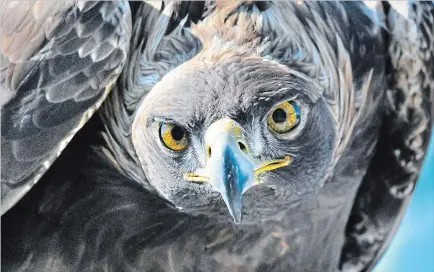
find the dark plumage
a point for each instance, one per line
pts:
(117, 200)
(59, 60)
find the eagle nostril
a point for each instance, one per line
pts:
(242, 146)
(208, 151)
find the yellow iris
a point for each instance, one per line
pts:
(283, 117)
(173, 136)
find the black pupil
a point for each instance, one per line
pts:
(279, 116)
(177, 133)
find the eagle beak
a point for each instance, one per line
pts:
(230, 167)
(230, 172)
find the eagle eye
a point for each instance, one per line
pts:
(283, 117)
(173, 136)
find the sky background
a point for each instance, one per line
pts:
(412, 248)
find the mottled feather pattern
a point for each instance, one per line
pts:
(58, 60)
(407, 125)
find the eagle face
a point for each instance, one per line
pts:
(243, 134)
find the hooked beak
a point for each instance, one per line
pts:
(230, 167)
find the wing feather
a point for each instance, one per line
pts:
(58, 62)
(392, 175)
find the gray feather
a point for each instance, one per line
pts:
(53, 68)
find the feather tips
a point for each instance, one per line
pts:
(52, 63)
(404, 139)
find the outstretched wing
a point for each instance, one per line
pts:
(58, 61)
(388, 185)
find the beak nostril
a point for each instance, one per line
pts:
(208, 152)
(242, 146)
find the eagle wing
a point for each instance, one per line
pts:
(392, 175)
(58, 60)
